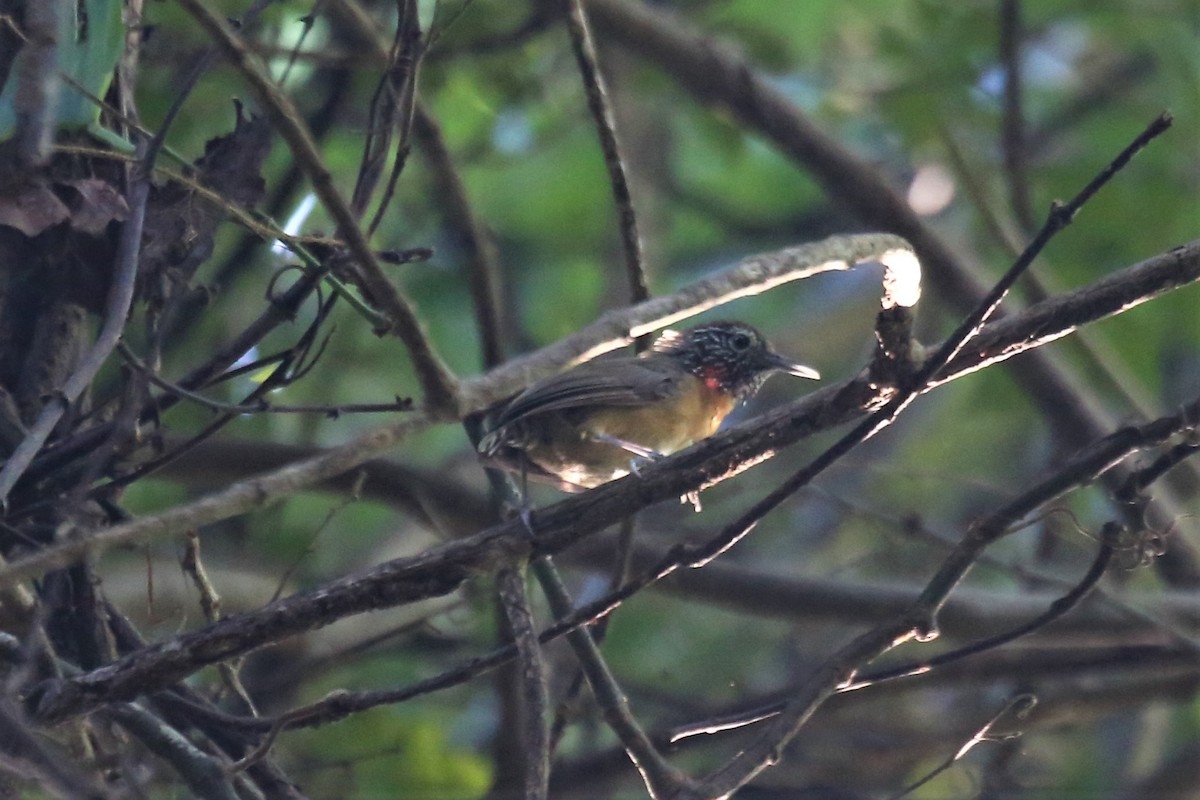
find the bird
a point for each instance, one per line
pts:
(598, 421)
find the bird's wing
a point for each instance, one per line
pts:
(624, 381)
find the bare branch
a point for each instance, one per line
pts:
(482, 258)
(718, 457)
(1012, 138)
(660, 777)
(751, 276)
(584, 47)
(510, 586)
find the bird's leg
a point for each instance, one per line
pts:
(641, 454)
(515, 494)
(644, 453)
(526, 512)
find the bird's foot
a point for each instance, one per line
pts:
(692, 497)
(526, 514)
(516, 502)
(636, 464)
(523, 510)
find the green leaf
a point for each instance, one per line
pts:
(88, 49)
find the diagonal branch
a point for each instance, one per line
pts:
(443, 568)
(919, 621)
(615, 328)
(751, 276)
(696, 467)
(584, 46)
(717, 75)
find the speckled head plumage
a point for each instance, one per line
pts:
(729, 356)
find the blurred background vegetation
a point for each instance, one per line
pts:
(916, 89)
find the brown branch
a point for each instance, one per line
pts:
(584, 47)
(619, 327)
(239, 499)
(432, 500)
(1012, 137)
(482, 257)
(441, 569)
(535, 740)
(659, 776)
(698, 466)
(1061, 315)
(919, 622)
(717, 75)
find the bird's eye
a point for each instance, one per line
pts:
(741, 341)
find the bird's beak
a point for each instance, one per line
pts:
(793, 368)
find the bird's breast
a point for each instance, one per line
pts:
(692, 412)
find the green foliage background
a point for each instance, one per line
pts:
(908, 85)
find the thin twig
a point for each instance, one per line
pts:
(745, 765)
(1057, 609)
(584, 46)
(241, 498)
(204, 776)
(261, 406)
(210, 605)
(726, 452)
(1012, 138)
(660, 777)
(482, 257)
(289, 367)
(1018, 707)
(391, 108)
(437, 382)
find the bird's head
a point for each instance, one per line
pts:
(730, 356)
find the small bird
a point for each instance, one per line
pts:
(595, 422)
